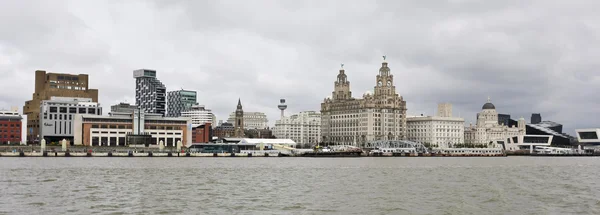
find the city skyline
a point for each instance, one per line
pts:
(525, 66)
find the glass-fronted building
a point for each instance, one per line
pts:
(180, 101)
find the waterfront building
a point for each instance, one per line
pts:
(225, 130)
(10, 126)
(376, 116)
(524, 142)
(150, 93)
(202, 133)
(48, 85)
(199, 115)
(536, 118)
(589, 138)
(123, 108)
(251, 120)
(239, 121)
(138, 128)
(179, 101)
(553, 129)
(436, 131)
(57, 116)
(303, 128)
(488, 129)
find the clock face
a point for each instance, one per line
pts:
(379, 84)
(389, 83)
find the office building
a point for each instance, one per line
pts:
(376, 116)
(150, 93)
(225, 130)
(179, 101)
(57, 116)
(48, 85)
(251, 120)
(304, 128)
(138, 128)
(199, 115)
(123, 108)
(202, 133)
(442, 131)
(10, 127)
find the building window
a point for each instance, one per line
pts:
(53, 109)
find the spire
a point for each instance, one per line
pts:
(489, 100)
(239, 105)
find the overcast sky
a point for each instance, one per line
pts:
(528, 56)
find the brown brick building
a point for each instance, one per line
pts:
(202, 133)
(10, 127)
(48, 85)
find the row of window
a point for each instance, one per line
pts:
(12, 125)
(75, 110)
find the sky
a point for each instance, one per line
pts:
(527, 56)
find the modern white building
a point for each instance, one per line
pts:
(488, 129)
(252, 120)
(524, 142)
(439, 132)
(200, 115)
(589, 138)
(57, 116)
(304, 128)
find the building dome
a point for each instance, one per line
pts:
(488, 106)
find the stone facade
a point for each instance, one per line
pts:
(252, 120)
(436, 131)
(488, 129)
(48, 85)
(303, 128)
(376, 116)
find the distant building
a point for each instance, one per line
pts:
(444, 110)
(487, 129)
(536, 118)
(179, 101)
(202, 133)
(123, 108)
(123, 129)
(199, 115)
(251, 120)
(440, 131)
(259, 133)
(504, 119)
(553, 129)
(589, 138)
(381, 115)
(150, 93)
(10, 127)
(304, 128)
(239, 121)
(57, 116)
(225, 130)
(48, 85)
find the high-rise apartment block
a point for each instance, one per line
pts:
(179, 101)
(150, 93)
(48, 85)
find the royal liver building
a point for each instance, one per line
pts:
(377, 116)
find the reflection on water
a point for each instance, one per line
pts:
(512, 185)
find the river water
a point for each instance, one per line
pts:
(474, 185)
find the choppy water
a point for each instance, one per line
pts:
(513, 185)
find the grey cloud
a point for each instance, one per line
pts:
(528, 56)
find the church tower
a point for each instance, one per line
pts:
(239, 120)
(342, 87)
